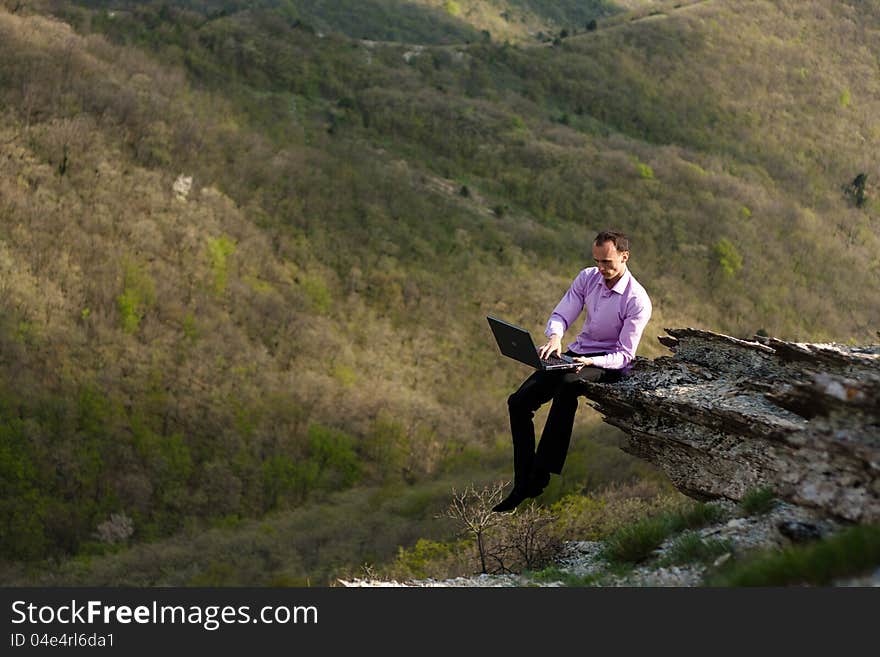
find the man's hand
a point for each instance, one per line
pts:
(583, 360)
(553, 346)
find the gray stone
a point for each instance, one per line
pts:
(724, 416)
(799, 532)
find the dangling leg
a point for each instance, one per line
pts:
(537, 390)
(556, 437)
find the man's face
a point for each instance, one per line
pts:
(610, 261)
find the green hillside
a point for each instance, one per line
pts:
(301, 333)
(416, 21)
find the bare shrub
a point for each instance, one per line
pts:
(472, 510)
(504, 543)
(525, 541)
(117, 529)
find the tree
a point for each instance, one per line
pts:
(472, 509)
(728, 257)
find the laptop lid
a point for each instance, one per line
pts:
(517, 343)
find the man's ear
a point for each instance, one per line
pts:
(624, 256)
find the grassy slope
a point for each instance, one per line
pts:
(438, 21)
(421, 21)
(338, 187)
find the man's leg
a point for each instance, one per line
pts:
(535, 391)
(556, 437)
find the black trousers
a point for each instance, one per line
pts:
(563, 389)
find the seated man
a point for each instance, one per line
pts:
(618, 309)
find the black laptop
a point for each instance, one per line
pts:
(516, 343)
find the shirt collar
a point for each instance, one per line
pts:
(620, 285)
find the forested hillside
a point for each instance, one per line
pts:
(298, 332)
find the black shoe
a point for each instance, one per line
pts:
(510, 502)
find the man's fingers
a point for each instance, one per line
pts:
(549, 349)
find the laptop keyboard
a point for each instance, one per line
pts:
(555, 360)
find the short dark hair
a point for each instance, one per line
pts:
(620, 241)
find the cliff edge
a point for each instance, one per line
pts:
(723, 416)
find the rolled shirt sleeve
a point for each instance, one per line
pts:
(569, 308)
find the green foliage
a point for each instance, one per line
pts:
(217, 573)
(346, 376)
(386, 447)
(597, 516)
(601, 465)
(317, 292)
(23, 506)
(555, 574)
(138, 295)
(334, 454)
(55, 493)
(190, 327)
(452, 8)
(286, 482)
(27, 333)
(698, 515)
(850, 552)
(727, 257)
(427, 558)
(635, 542)
(155, 147)
(690, 547)
(645, 171)
(219, 250)
(385, 20)
(168, 460)
(758, 501)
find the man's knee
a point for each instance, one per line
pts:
(516, 403)
(522, 403)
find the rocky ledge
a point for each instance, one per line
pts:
(723, 416)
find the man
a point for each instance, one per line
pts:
(618, 309)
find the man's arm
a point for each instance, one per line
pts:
(565, 312)
(568, 308)
(630, 334)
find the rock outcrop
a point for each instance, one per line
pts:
(723, 416)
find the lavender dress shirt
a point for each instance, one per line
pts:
(615, 318)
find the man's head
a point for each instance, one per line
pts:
(611, 251)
